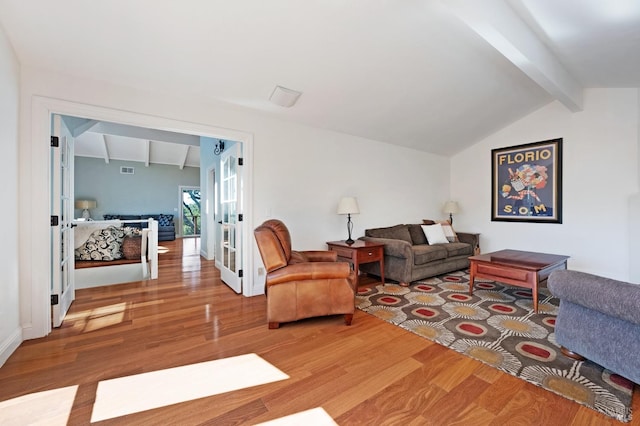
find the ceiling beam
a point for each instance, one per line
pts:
(147, 152)
(116, 129)
(105, 149)
(185, 152)
(497, 23)
(84, 127)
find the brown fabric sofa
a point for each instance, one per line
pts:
(302, 284)
(408, 257)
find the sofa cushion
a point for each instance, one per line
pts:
(397, 232)
(131, 217)
(458, 249)
(417, 235)
(425, 253)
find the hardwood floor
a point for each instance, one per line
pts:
(369, 373)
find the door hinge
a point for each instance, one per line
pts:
(240, 217)
(54, 299)
(240, 161)
(55, 142)
(240, 273)
(54, 221)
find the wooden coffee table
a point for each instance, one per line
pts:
(520, 268)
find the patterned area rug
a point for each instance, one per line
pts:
(498, 327)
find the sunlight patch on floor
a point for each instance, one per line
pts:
(95, 319)
(141, 392)
(313, 417)
(50, 407)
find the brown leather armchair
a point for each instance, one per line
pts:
(302, 284)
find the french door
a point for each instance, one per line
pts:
(62, 257)
(230, 222)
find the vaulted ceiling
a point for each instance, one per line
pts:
(434, 75)
(113, 141)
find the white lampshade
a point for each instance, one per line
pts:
(451, 207)
(348, 205)
(86, 204)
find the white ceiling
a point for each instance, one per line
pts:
(434, 75)
(111, 141)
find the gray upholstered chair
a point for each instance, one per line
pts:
(599, 319)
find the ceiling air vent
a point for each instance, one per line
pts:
(127, 170)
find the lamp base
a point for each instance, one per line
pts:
(85, 214)
(349, 240)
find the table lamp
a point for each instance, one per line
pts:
(85, 205)
(348, 206)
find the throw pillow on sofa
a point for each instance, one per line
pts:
(446, 227)
(165, 220)
(449, 232)
(435, 234)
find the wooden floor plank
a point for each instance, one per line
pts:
(368, 373)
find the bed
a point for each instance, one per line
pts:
(115, 251)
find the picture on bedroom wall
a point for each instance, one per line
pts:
(526, 182)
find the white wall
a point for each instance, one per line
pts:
(10, 332)
(299, 173)
(600, 178)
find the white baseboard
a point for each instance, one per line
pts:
(9, 345)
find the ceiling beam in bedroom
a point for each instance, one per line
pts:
(185, 152)
(105, 149)
(147, 152)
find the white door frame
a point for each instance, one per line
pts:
(62, 271)
(34, 173)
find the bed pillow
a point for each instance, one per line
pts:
(103, 244)
(434, 234)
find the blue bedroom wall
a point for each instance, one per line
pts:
(153, 189)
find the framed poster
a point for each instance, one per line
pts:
(526, 182)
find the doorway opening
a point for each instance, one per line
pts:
(38, 259)
(190, 214)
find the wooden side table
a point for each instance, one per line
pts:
(359, 252)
